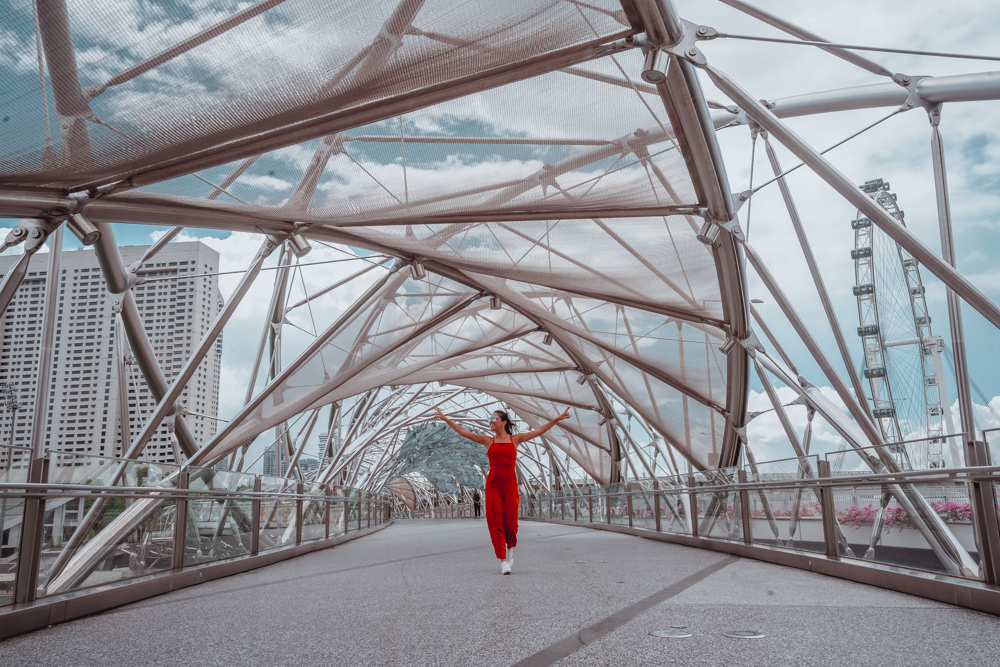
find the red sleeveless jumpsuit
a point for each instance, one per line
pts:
(501, 497)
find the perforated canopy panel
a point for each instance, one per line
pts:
(509, 150)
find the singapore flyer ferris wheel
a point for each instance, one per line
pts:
(903, 359)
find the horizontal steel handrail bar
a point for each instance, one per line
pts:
(42, 490)
(884, 445)
(944, 474)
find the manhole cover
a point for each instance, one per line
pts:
(579, 561)
(670, 633)
(744, 634)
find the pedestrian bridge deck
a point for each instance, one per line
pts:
(429, 592)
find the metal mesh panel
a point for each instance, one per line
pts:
(298, 61)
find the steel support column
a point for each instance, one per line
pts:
(181, 522)
(29, 549)
(829, 512)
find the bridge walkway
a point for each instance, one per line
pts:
(430, 593)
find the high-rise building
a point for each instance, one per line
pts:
(177, 303)
(270, 465)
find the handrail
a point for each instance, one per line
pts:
(718, 515)
(992, 473)
(36, 491)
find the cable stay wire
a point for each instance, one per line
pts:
(858, 47)
(825, 151)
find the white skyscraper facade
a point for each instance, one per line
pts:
(177, 303)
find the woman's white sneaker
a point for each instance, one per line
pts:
(510, 556)
(504, 567)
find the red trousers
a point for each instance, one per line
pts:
(501, 513)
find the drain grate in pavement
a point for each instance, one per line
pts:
(744, 634)
(676, 634)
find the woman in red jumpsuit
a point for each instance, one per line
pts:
(501, 483)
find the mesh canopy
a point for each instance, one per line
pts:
(443, 457)
(400, 488)
(291, 64)
(509, 150)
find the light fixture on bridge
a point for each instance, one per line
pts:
(417, 270)
(582, 379)
(495, 303)
(728, 345)
(83, 229)
(602, 420)
(299, 245)
(654, 70)
(548, 339)
(708, 232)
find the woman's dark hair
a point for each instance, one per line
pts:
(508, 426)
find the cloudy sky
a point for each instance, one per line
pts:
(898, 151)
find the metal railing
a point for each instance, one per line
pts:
(797, 506)
(56, 508)
(442, 511)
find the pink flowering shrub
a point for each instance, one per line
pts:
(806, 511)
(896, 517)
(950, 511)
(666, 511)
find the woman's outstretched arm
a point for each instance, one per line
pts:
(462, 431)
(523, 437)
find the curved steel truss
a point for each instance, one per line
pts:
(483, 241)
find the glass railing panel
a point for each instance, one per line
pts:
(277, 513)
(675, 516)
(992, 438)
(786, 517)
(542, 499)
(674, 513)
(147, 549)
(600, 503)
(354, 510)
(884, 524)
(219, 528)
(573, 504)
(719, 512)
(72, 522)
(366, 509)
(338, 512)
(618, 504)
(643, 506)
(559, 505)
(14, 468)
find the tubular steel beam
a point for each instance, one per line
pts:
(815, 349)
(802, 33)
(985, 497)
(942, 541)
(824, 295)
(44, 373)
(184, 46)
(688, 110)
(849, 191)
(954, 305)
(316, 122)
(60, 56)
(375, 290)
(166, 404)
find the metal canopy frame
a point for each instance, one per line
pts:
(496, 332)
